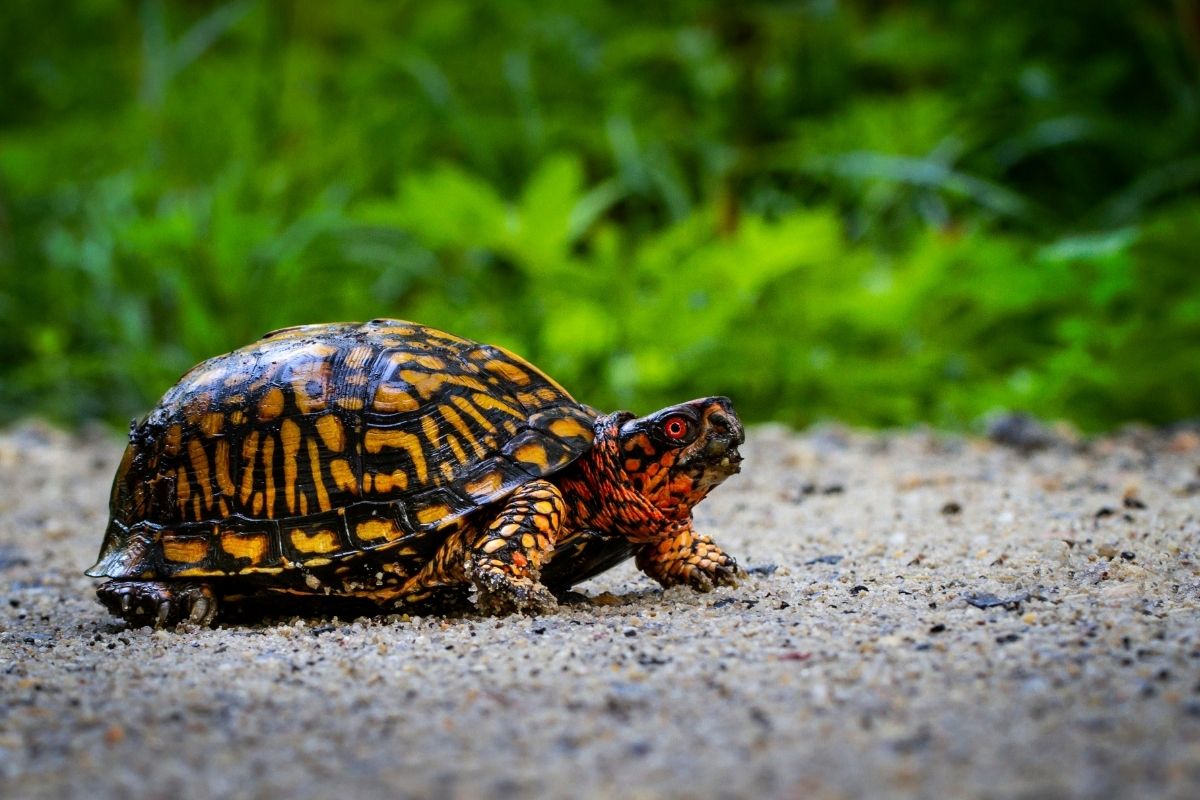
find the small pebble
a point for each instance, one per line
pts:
(114, 734)
(985, 600)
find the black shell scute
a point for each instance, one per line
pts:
(320, 443)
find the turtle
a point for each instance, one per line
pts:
(401, 466)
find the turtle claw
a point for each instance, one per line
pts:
(694, 561)
(201, 612)
(164, 612)
(159, 603)
(700, 581)
(705, 580)
(502, 594)
(725, 574)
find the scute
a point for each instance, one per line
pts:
(319, 443)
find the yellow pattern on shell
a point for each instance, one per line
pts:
(249, 457)
(329, 428)
(271, 404)
(184, 551)
(314, 462)
(253, 546)
(508, 371)
(390, 400)
(199, 461)
(379, 438)
(568, 427)
(320, 542)
(343, 476)
(289, 437)
(211, 423)
(433, 513)
(535, 454)
(485, 486)
(268, 457)
(378, 529)
(221, 462)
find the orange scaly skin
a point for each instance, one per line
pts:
(684, 557)
(639, 488)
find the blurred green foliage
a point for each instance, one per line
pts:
(881, 212)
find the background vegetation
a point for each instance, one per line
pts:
(881, 212)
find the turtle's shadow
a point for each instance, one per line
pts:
(270, 611)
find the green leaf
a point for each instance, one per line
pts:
(544, 231)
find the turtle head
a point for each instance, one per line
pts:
(674, 457)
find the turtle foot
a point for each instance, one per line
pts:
(158, 603)
(500, 594)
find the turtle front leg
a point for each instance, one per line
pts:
(159, 603)
(505, 560)
(686, 557)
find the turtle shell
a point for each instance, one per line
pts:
(322, 443)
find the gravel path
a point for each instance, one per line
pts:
(925, 616)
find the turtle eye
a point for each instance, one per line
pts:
(676, 428)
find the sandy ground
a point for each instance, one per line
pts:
(849, 663)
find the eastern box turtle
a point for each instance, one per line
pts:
(397, 464)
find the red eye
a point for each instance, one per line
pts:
(675, 428)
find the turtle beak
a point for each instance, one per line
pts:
(723, 432)
(726, 433)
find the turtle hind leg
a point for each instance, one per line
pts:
(160, 603)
